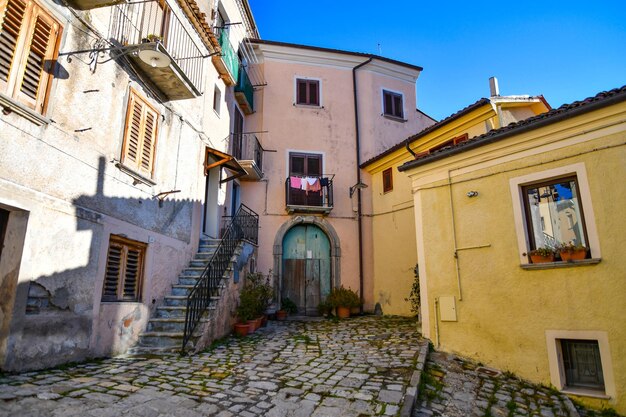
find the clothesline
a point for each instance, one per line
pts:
(313, 184)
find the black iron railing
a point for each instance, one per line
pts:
(246, 147)
(310, 191)
(154, 21)
(243, 227)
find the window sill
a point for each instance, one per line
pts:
(308, 106)
(561, 264)
(582, 392)
(137, 178)
(394, 118)
(12, 106)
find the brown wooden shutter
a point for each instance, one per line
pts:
(124, 270)
(113, 271)
(397, 103)
(387, 180)
(140, 135)
(387, 99)
(314, 97)
(301, 93)
(13, 13)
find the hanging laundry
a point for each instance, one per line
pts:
(295, 182)
(324, 182)
(314, 184)
(304, 183)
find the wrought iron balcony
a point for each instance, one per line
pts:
(226, 63)
(155, 26)
(249, 153)
(244, 92)
(309, 194)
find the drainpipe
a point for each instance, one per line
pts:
(358, 176)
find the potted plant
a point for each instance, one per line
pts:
(324, 308)
(242, 327)
(287, 306)
(246, 309)
(570, 252)
(541, 255)
(152, 38)
(343, 300)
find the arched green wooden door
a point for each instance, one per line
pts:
(306, 267)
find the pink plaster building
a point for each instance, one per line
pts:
(320, 113)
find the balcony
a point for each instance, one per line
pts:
(227, 63)
(249, 153)
(93, 4)
(244, 92)
(316, 196)
(152, 26)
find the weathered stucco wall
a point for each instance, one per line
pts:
(60, 180)
(504, 312)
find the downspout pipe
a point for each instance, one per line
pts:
(358, 176)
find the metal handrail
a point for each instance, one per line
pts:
(246, 147)
(243, 227)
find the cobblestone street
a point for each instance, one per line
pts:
(358, 367)
(454, 387)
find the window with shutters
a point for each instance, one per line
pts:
(393, 104)
(387, 180)
(140, 136)
(124, 270)
(29, 41)
(307, 92)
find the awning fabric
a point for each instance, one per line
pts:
(223, 160)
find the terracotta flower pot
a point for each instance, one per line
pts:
(343, 312)
(281, 315)
(252, 324)
(538, 259)
(242, 329)
(578, 255)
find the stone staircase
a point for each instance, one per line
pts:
(165, 329)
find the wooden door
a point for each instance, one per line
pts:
(306, 267)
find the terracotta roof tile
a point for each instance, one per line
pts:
(600, 100)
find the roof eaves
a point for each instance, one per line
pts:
(337, 51)
(566, 111)
(427, 130)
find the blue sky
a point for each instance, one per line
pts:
(565, 50)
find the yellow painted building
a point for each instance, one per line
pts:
(392, 217)
(482, 205)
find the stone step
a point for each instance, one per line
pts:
(185, 280)
(199, 263)
(179, 289)
(194, 271)
(169, 324)
(161, 339)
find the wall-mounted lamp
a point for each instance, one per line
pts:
(151, 53)
(357, 186)
(471, 194)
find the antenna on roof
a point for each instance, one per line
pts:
(379, 49)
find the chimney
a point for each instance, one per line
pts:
(493, 87)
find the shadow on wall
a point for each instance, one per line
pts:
(56, 318)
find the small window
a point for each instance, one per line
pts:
(308, 92)
(29, 40)
(387, 180)
(217, 100)
(124, 270)
(4, 223)
(554, 214)
(140, 135)
(392, 104)
(582, 365)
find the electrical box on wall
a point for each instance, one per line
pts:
(447, 308)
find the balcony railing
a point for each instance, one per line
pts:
(244, 92)
(226, 63)
(309, 194)
(155, 24)
(249, 153)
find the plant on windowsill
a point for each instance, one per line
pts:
(152, 38)
(570, 252)
(343, 299)
(541, 255)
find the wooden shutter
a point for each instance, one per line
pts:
(113, 271)
(387, 180)
(13, 13)
(28, 46)
(301, 92)
(124, 270)
(397, 104)
(138, 151)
